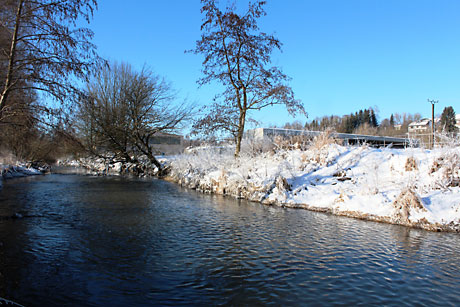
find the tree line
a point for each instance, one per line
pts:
(365, 122)
(345, 124)
(118, 109)
(58, 96)
(42, 54)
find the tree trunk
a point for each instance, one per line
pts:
(155, 162)
(239, 137)
(11, 55)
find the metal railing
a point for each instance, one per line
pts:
(441, 139)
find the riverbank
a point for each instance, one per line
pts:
(412, 187)
(9, 171)
(103, 167)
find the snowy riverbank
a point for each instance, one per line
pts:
(412, 187)
(8, 171)
(99, 166)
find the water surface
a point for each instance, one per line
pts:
(100, 241)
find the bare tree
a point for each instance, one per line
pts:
(237, 55)
(125, 109)
(219, 118)
(43, 50)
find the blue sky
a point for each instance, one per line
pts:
(342, 56)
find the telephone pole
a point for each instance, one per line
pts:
(432, 119)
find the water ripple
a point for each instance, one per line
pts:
(117, 241)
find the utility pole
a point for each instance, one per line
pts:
(432, 119)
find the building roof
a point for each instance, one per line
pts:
(422, 122)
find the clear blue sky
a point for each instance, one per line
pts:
(342, 56)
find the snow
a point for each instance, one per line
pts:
(355, 181)
(9, 171)
(100, 166)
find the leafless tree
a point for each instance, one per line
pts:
(219, 118)
(237, 55)
(124, 109)
(43, 49)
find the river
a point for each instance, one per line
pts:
(68, 240)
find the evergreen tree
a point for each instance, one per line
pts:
(361, 119)
(348, 124)
(373, 119)
(367, 117)
(448, 120)
(392, 120)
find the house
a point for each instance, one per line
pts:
(421, 126)
(397, 127)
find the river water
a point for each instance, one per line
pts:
(111, 241)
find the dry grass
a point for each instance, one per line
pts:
(322, 140)
(406, 201)
(291, 142)
(449, 166)
(411, 164)
(319, 148)
(436, 165)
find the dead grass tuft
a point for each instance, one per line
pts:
(282, 184)
(449, 165)
(319, 148)
(436, 165)
(406, 201)
(322, 140)
(411, 164)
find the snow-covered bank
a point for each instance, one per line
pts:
(413, 187)
(99, 166)
(9, 171)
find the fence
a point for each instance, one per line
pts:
(424, 140)
(441, 139)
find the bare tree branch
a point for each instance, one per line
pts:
(124, 109)
(237, 54)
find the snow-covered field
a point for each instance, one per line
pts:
(413, 187)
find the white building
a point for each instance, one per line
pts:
(421, 126)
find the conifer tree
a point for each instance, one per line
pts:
(392, 120)
(373, 119)
(448, 120)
